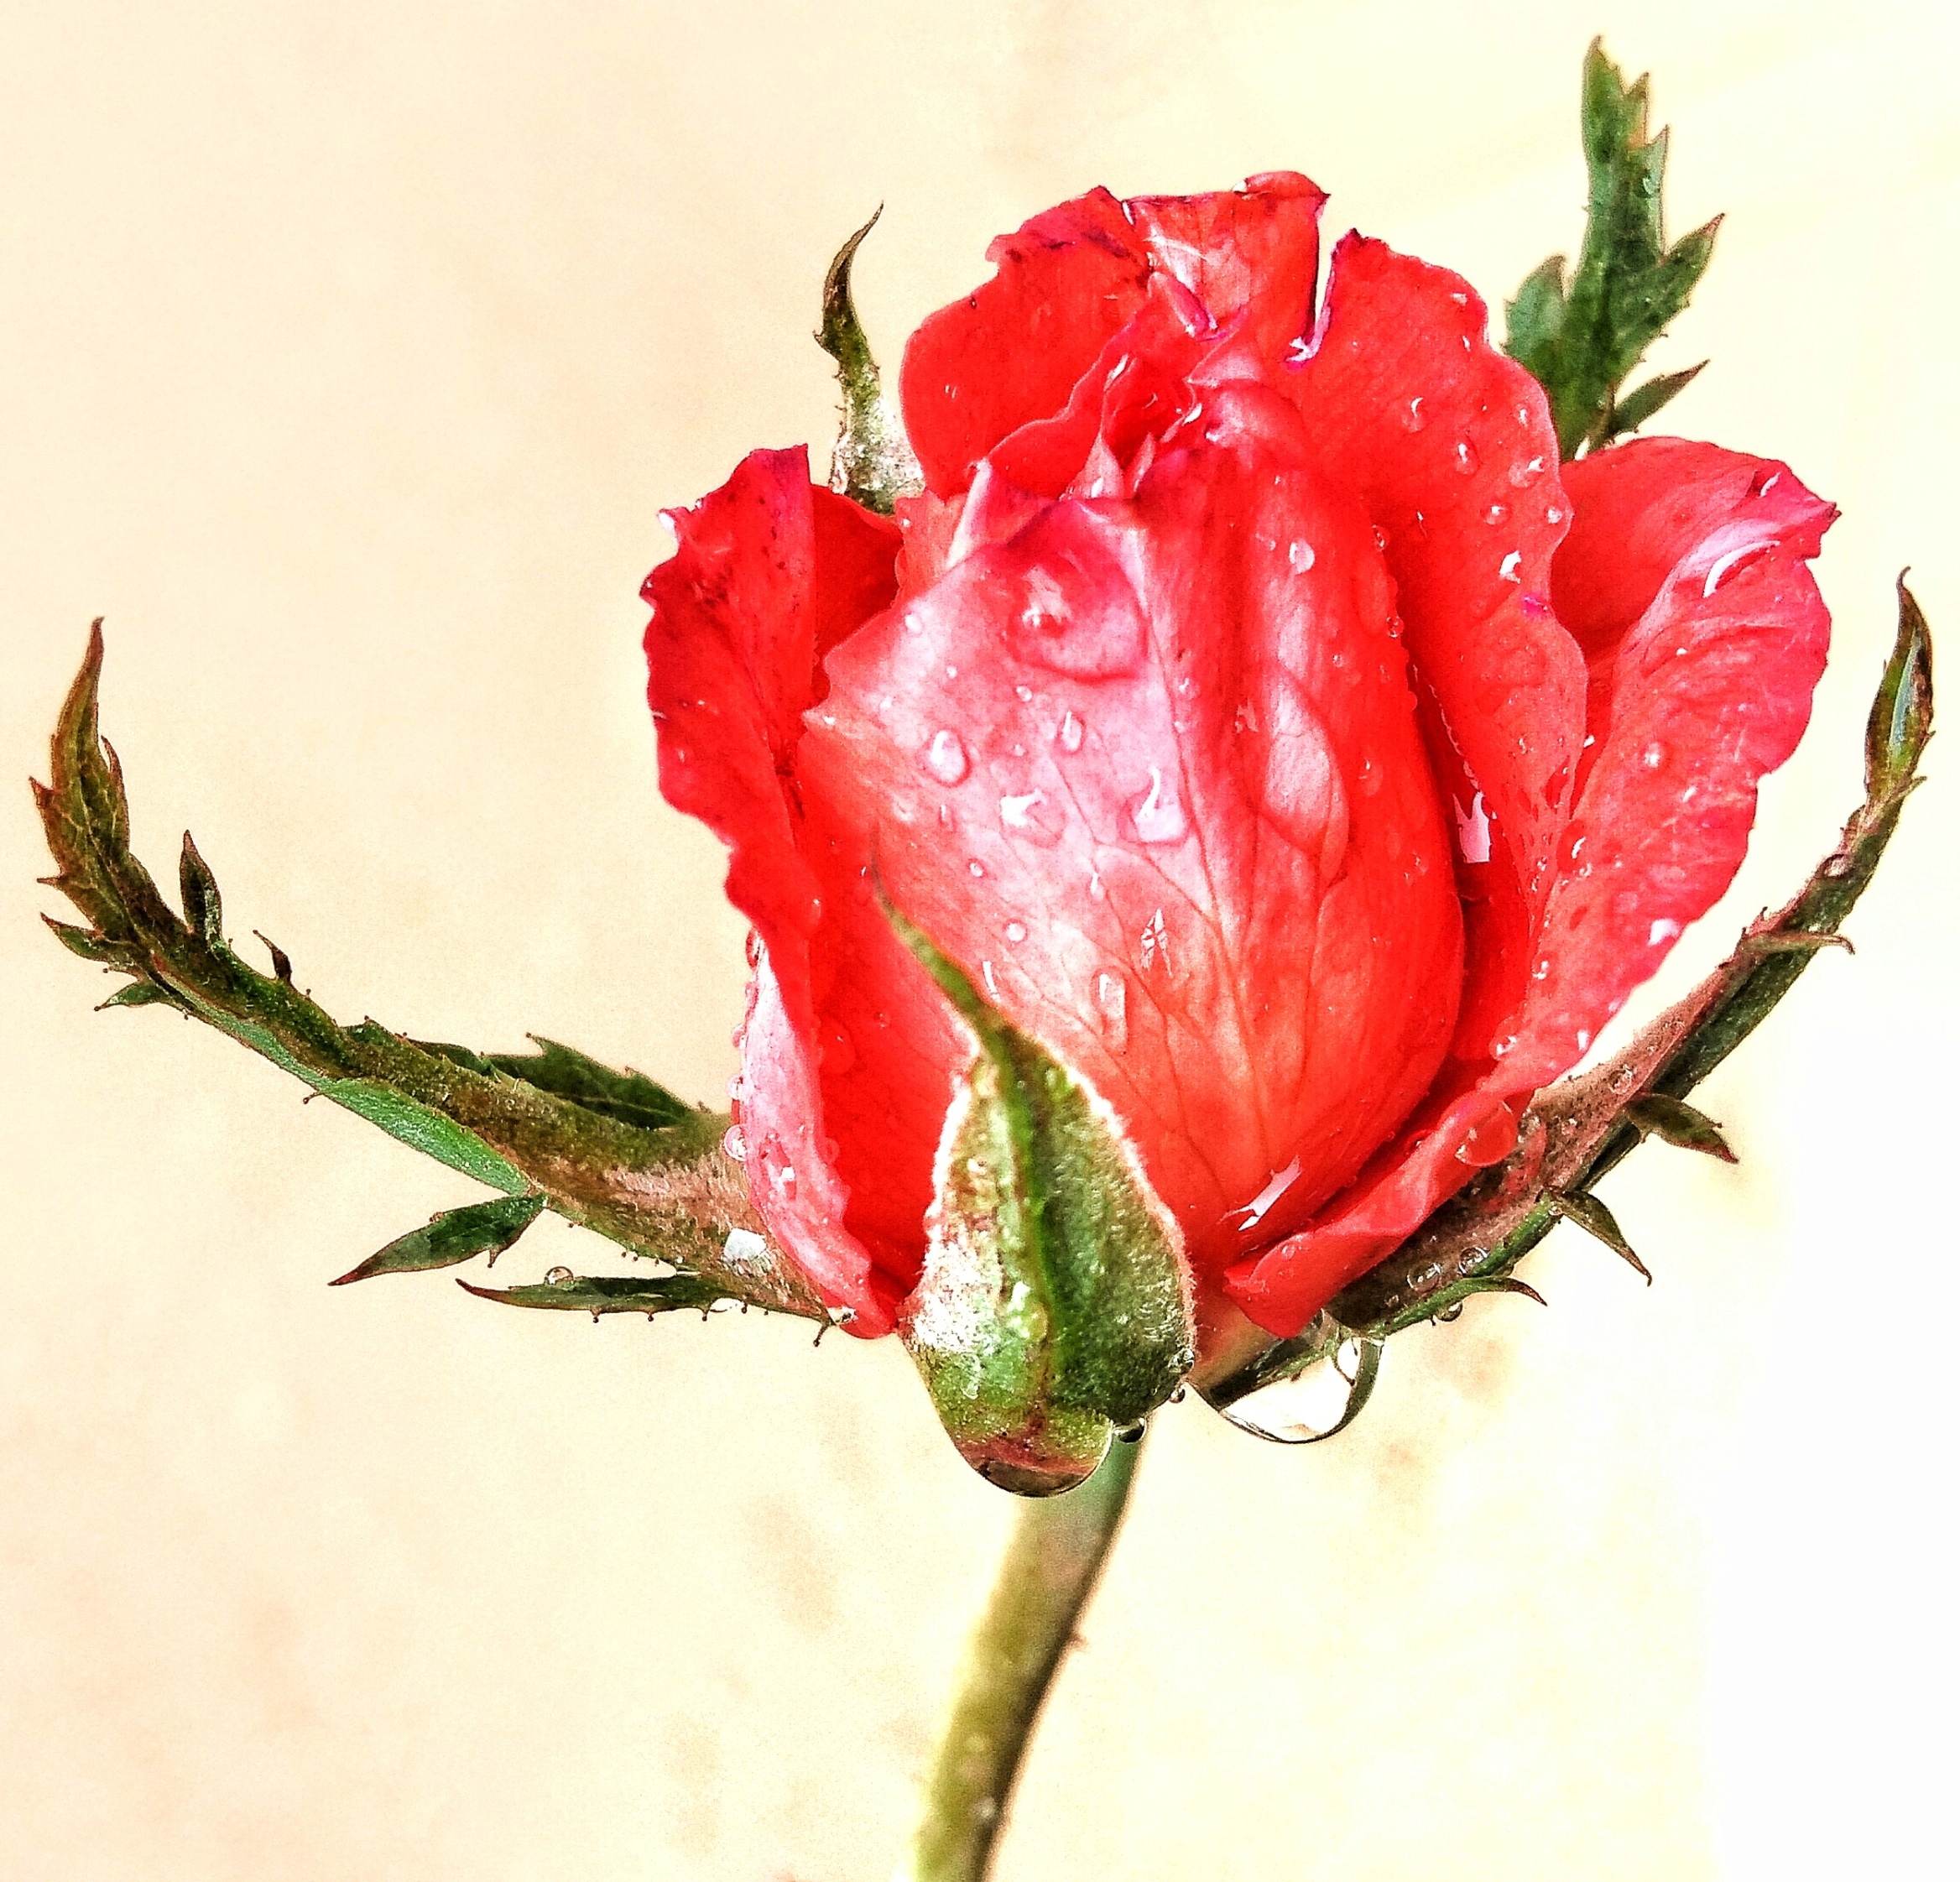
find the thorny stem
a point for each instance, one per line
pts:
(1053, 1561)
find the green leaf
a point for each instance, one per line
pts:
(1593, 1216)
(1631, 413)
(1579, 340)
(453, 1236)
(611, 1151)
(872, 463)
(628, 1096)
(1054, 1309)
(1675, 1121)
(598, 1294)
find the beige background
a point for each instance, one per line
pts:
(348, 353)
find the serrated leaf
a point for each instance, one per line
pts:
(1054, 1307)
(872, 463)
(1675, 1121)
(663, 1190)
(1581, 340)
(600, 1294)
(453, 1236)
(1644, 402)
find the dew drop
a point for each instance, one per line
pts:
(1158, 816)
(1555, 514)
(1299, 555)
(840, 1050)
(1023, 693)
(734, 1146)
(1621, 1080)
(1112, 1009)
(1069, 733)
(1662, 931)
(1015, 932)
(1381, 537)
(1414, 418)
(946, 757)
(1463, 456)
(1522, 473)
(1655, 755)
(974, 867)
(1031, 817)
(1497, 512)
(1508, 569)
(559, 1277)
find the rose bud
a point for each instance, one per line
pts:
(1281, 748)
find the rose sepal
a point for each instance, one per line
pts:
(1054, 1313)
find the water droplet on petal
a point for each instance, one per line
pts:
(1032, 816)
(1497, 512)
(1381, 537)
(1655, 755)
(1299, 556)
(1414, 418)
(559, 1277)
(1463, 456)
(1158, 816)
(1112, 1009)
(946, 757)
(1621, 1080)
(734, 1146)
(1069, 733)
(1015, 932)
(1508, 569)
(974, 867)
(840, 1050)
(1662, 931)
(1522, 474)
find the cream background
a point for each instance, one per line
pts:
(348, 354)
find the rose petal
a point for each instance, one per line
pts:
(1685, 576)
(1702, 678)
(769, 572)
(1149, 770)
(1067, 281)
(1452, 449)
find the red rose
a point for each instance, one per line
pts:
(1255, 709)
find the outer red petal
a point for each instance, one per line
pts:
(1452, 449)
(769, 573)
(1684, 575)
(1148, 769)
(1702, 675)
(1012, 351)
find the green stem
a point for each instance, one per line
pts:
(1049, 1571)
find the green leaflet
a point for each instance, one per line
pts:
(872, 463)
(1581, 340)
(455, 1235)
(611, 1151)
(1053, 1310)
(598, 1294)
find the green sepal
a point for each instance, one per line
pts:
(455, 1235)
(872, 464)
(1579, 340)
(1054, 1309)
